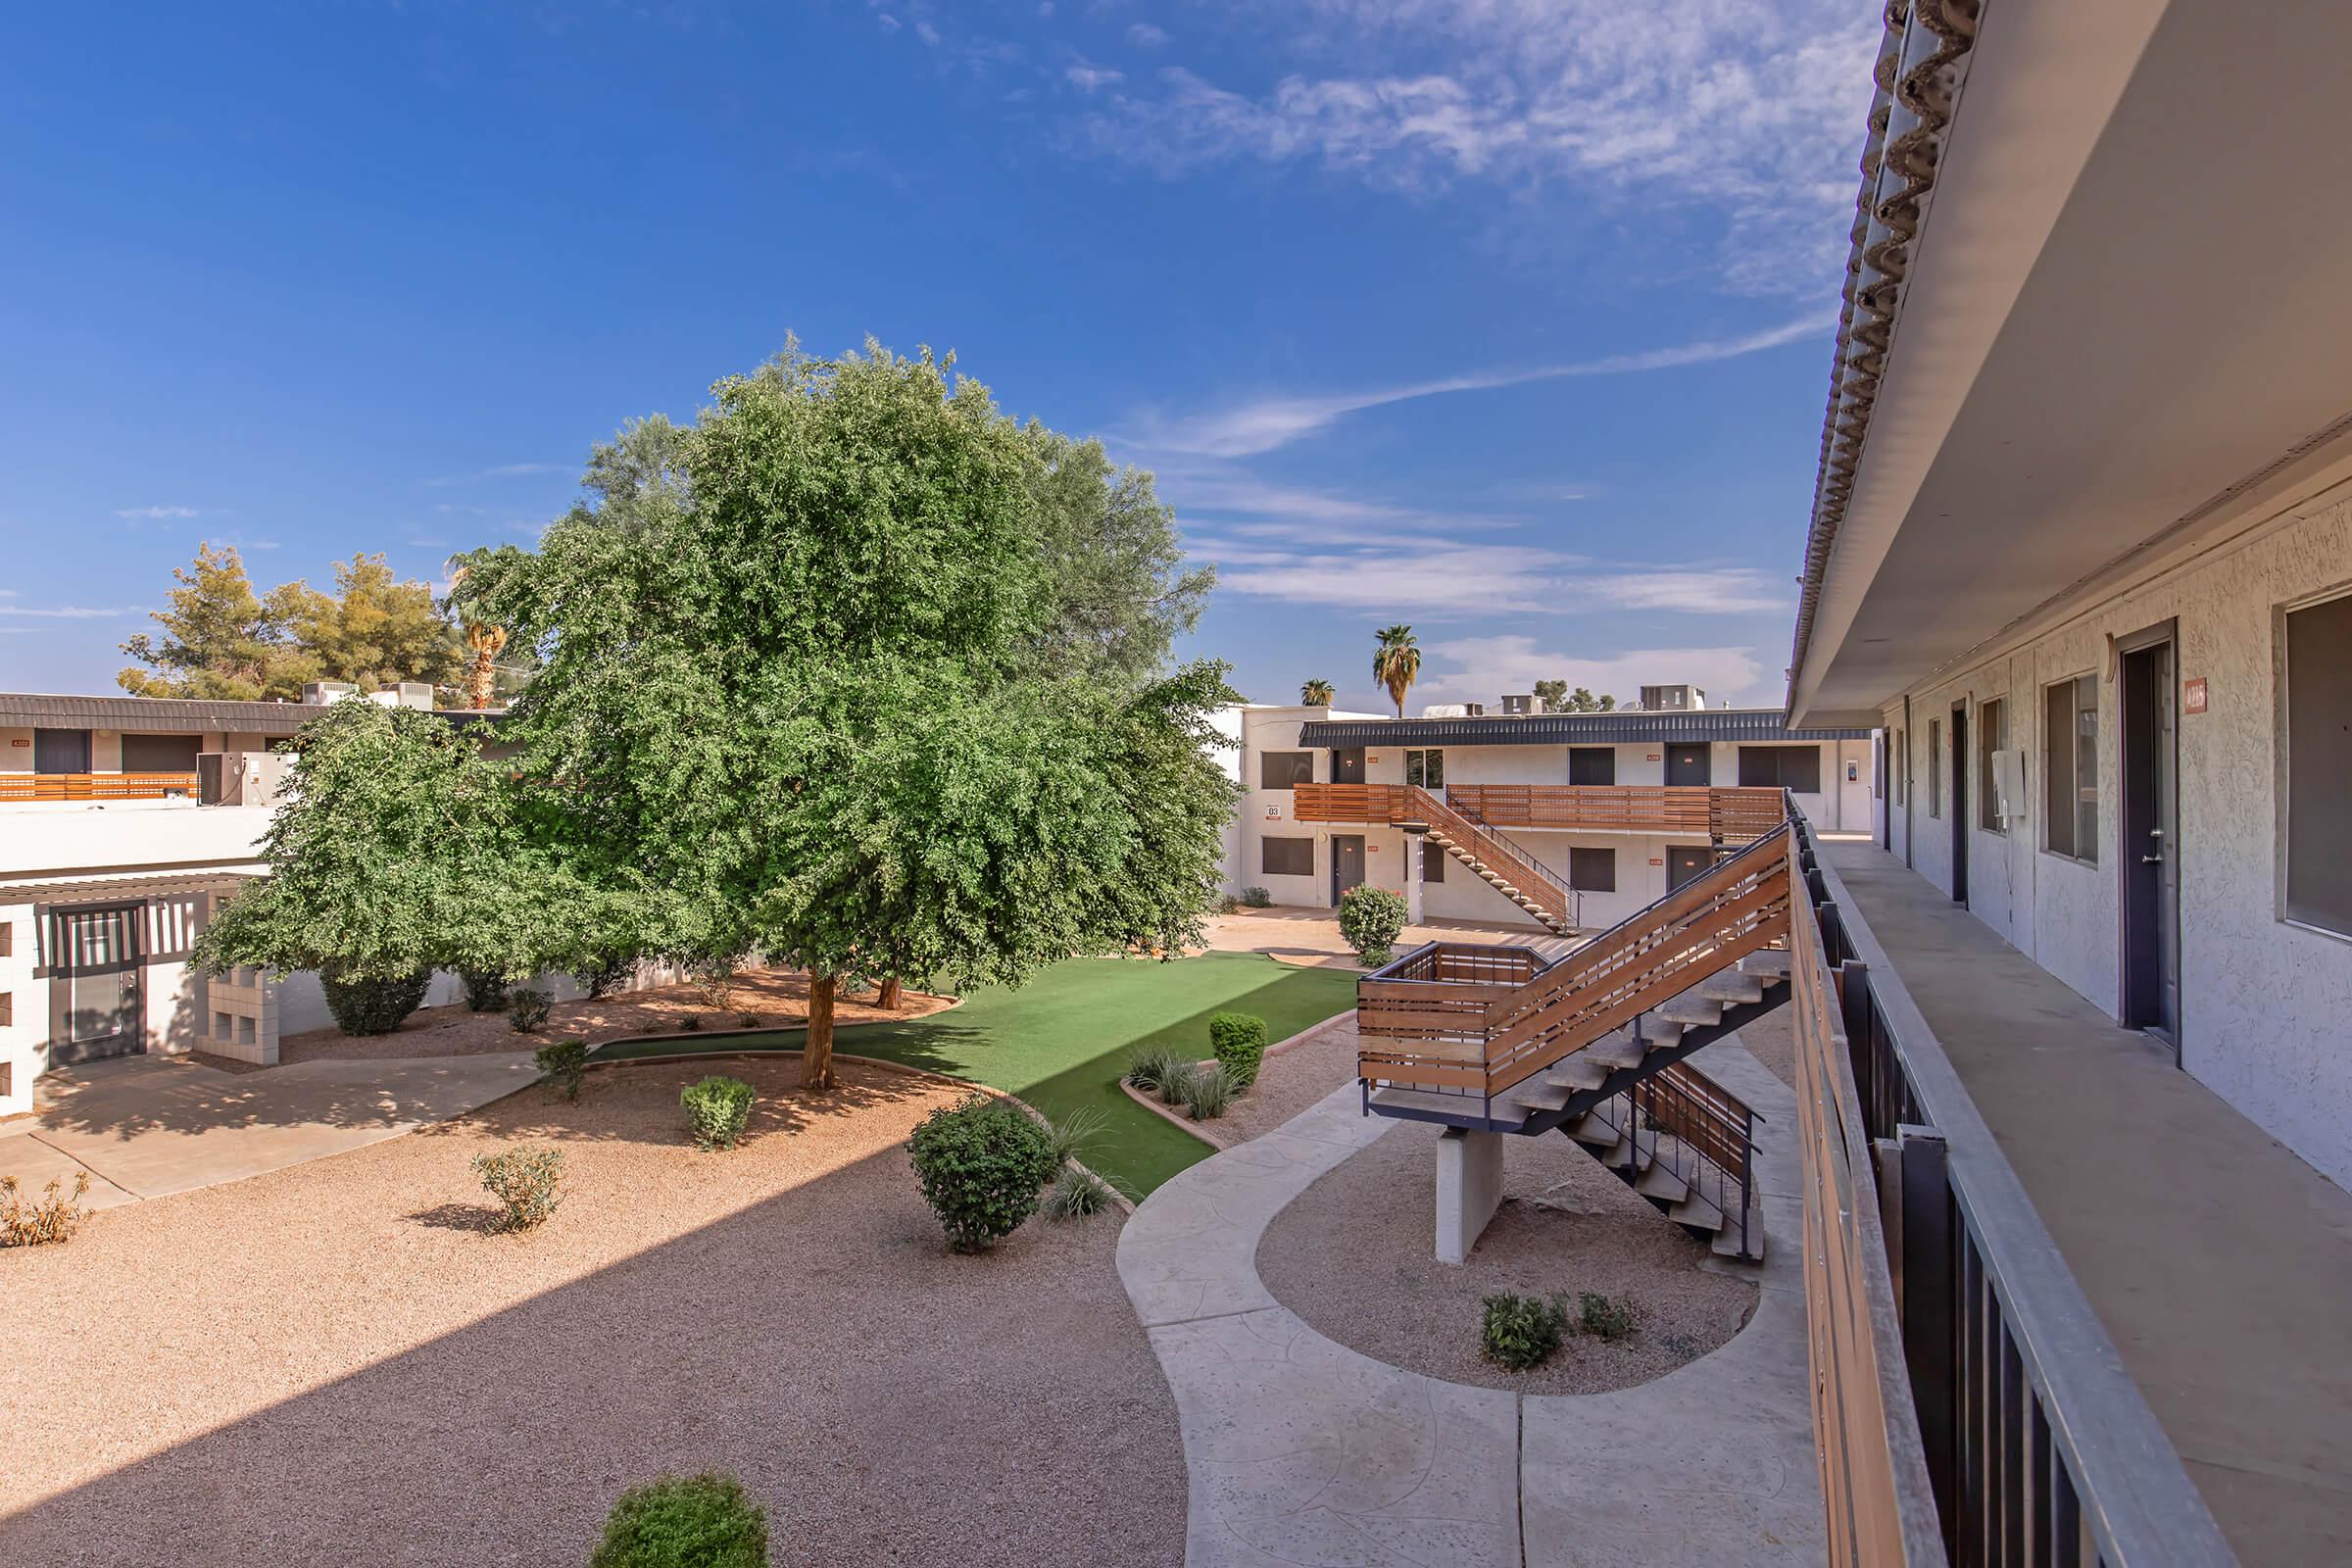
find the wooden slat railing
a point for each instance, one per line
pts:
(1722, 815)
(1487, 1036)
(1397, 803)
(94, 786)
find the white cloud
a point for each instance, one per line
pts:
(69, 611)
(1270, 423)
(158, 514)
(927, 32)
(1088, 77)
(1436, 576)
(889, 24)
(1479, 670)
(1144, 35)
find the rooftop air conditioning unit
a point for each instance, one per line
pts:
(328, 691)
(1515, 704)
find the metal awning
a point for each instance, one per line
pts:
(1628, 728)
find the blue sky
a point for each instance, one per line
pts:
(1509, 318)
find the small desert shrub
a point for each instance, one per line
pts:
(373, 1006)
(527, 1178)
(1207, 1091)
(1256, 899)
(704, 1521)
(527, 1009)
(53, 1217)
(484, 992)
(1370, 921)
(1238, 1041)
(693, 1020)
(714, 983)
(1520, 1331)
(1604, 1317)
(1147, 1066)
(1075, 1193)
(718, 1109)
(1227, 903)
(605, 975)
(1076, 1133)
(564, 1064)
(981, 1162)
(749, 1020)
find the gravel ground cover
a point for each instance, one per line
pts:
(1772, 1042)
(1352, 1256)
(1290, 1080)
(335, 1363)
(778, 995)
(1061, 1041)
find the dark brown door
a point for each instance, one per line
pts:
(1687, 860)
(2151, 848)
(1959, 804)
(1689, 765)
(61, 751)
(1347, 862)
(1347, 766)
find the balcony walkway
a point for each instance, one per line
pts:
(2219, 1263)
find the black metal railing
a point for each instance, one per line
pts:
(2039, 1447)
(1713, 1152)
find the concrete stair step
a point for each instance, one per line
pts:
(1693, 1010)
(1508, 1114)
(1772, 963)
(1595, 1132)
(1579, 1072)
(1661, 1181)
(1732, 988)
(1727, 1240)
(1696, 1212)
(1617, 1051)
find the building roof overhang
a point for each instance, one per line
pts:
(177, 715)
(1628, 727)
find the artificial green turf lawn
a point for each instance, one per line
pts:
(1062, 1040)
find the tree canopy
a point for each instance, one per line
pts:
(1556, 697)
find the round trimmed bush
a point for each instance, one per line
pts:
(374, 1004)
(1370, 921)
(1238, 1040)
(705, 1521)
(718, 1109)
(982, 1162)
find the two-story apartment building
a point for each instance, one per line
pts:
(1613, 809)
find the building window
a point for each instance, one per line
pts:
(1285, 856)
(1433, 863)
(1592, 764)
(1425, 769)
(1992, 735)
(1902, 769)
(1935, 768)
(7, 1009)
(1593, 871)
(2319, 758)
(2069, 767)
(1780, 767)
(8, 938)
(1282, 770)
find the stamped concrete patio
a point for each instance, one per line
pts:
(1302, 1451)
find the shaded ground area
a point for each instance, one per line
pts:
(1352, 1256)
(1061, 1041)
(335, 1363)
(772, 996)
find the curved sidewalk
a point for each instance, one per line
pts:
(1301, 1452)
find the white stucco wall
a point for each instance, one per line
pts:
(2264, 1004)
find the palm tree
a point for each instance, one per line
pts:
(485, 642)
(1315, 694)
(1396, 664)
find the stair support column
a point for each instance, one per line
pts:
(1413, 840)
(1469, 1189)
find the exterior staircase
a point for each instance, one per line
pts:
(1545, 900)
(1593, 1042)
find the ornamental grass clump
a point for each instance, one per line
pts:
(1149, 1067)
(982, 1162)
(52, 1218)
(1075, 1193)
(1520, 1331)
(1208, 1091)
(1238, 1040)
(705, 1521)
(528, 1179)
(1256, 899)
(718, 1111)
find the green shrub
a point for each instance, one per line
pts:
(1238, 1041)
(605, 974)
(1604, 1317)
(1370, 921)
(1227, 903)
(1257, 899)
(718, 1109)
(981, 1162)
(1148, 1065)
(1520, 1331)
(527, 1010)
(705, 1521)
(693, 1020)
(1075, 1193)
(53, 1217)
(1208, 1091)
(527, 1178)
(373, 1006)
(564, 1064)
(1176, 1081)
(1076, 1133)
(484, 992)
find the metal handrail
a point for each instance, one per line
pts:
(2136, 1498)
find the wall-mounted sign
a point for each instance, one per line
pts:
(1371, 849)
(1371, 756)
(19, 742)
(1273, 813)
(1654, 757)
(1655, 860)
(2192, 697)
(1853, 772)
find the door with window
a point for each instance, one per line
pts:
(2151, 861)
(94, 984)
(1689, 765)
(1347, 864)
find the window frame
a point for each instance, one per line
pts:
(1935, 769)
(1432, 860)
(1779, 751)
(2070, 789)
(2284, 731)
(1586, 754)
(1990, 738)
(1270, 839)
(1417, 760)
(1265, 761)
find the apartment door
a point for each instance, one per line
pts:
(1347, 766)
(2151, 838)
(1689, 765)
(1957, 799)
(1687, 860)
(61, 751)
(94, 998)
(1347, 860)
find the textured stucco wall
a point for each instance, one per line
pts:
(2264, 1004)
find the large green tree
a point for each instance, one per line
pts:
(1121, 591)
(814, 699)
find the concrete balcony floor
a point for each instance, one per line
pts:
(2219, 1263)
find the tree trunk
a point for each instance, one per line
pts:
(482, 681)
(891, 995)
(817, 1060)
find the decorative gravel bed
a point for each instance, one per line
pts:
(1291, 1079)
(1352, 1256)
(337, 1363)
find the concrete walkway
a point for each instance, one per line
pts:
(1301, 1452)
(145, 1126)
(2219, 1263)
